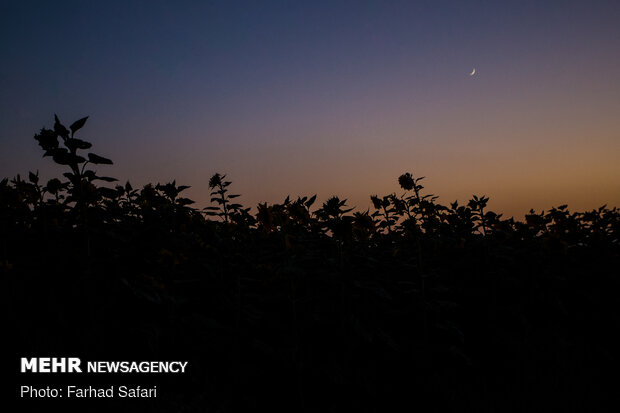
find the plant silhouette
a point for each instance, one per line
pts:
(305, 308)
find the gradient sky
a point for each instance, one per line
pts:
(328, 97)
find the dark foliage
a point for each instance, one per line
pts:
(416, 305)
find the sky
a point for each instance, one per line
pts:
(326, 97)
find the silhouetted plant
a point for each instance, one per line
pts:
(334, 219)
(477, 206)
(385, 207)
(81, 190)
(363, 226)
(225, 207)
(454, 301)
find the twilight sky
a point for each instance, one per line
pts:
(328, 97)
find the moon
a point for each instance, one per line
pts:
(473, 72)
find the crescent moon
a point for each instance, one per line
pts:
(473, 72)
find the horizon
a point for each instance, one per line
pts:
(326, 98)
